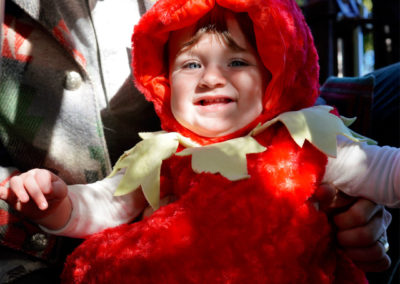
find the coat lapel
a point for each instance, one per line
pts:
(57, 18)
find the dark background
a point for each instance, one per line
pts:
(337, 20)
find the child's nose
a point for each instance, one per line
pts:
(212, 77)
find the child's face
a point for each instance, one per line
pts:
(215, 89)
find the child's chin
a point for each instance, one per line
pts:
(215, 132)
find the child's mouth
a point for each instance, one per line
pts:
(213, 101)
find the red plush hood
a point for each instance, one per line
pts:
(284, 43)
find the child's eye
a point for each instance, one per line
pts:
(192, 65)
(238, 63)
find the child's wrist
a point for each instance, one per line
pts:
(59, 217)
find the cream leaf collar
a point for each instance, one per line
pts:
(228, 158)
(317, 125)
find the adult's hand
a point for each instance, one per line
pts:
(361, 227)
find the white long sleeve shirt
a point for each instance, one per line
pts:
(366, 171)
(359, 169)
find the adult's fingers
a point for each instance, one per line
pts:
(375, 266)
(375, 252)
(359, 214)
(323, 196)
(387, 218)
(363, 232)
(342, 201)
(331, 200)
(359, 231)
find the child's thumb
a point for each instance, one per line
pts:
(59, 190)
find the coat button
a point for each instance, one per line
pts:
(37, 242)
(73, 80)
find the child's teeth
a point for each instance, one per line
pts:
(214, 101)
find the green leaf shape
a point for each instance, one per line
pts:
(143, 166)
(227, 158)
(316, 125)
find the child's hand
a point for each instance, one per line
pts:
(35, 194)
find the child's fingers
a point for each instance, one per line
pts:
(6, 194)
(9, 196)
(40, 186)
(52, 186)
(34, 191)
(44, 179)
(3, 193)
(18, 188)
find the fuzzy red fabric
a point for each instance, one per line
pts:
(258, 230)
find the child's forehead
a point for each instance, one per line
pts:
(182, 36)
(187, 37)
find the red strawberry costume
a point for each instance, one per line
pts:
(261, 229)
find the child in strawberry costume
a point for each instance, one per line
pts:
(233, 83)
(227, 225)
